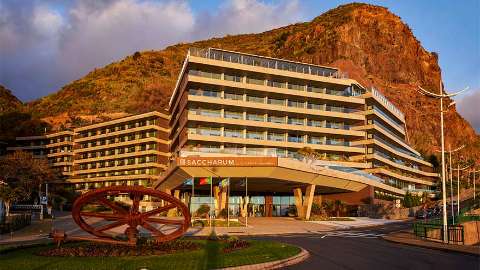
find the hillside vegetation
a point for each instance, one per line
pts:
(370, 43)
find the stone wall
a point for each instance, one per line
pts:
(471, 232)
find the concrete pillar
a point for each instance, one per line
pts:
(297, 193)
(309, 194)
(244, 206)
(223, 199)
(216, 199)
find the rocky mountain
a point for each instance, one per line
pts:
(8, 102)
(370, 43)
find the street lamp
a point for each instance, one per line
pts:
(458, 169)
(450, 151)
(441, 96)
(474, 172)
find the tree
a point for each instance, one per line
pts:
(11, 195)
(21, 176)
(309, 154)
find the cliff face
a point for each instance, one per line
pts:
(8, 102)
(370, 43)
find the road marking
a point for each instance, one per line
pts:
(352, 234)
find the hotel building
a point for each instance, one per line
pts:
(240, 116)
(127, 151)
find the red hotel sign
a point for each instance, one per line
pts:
(227, 161)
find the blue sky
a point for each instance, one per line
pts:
(46, 44)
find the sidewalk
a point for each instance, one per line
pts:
(358, 222)
(408, 238)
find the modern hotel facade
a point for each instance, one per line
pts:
(239, 116)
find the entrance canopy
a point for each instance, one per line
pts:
(271, 174)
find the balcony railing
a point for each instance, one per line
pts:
(266, 62)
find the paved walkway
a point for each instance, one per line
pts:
(408, 238)
(285, 225)
(358, 222)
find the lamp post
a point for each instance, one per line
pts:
(441, 96)
(474, 172)
(458, 169)
(450, 151)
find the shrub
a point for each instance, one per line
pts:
(203, 210)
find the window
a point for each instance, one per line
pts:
(315, 123)
(233, 78)
(255, 99)
(277, 137)
(257, 135)
(334, 109)
(277, 84)
(295, 138)
(211, 93)
(233, 115)
(255, 81)
(206, 112)
(315, 89)
(296, 104)
(316, 140)
(255, 117)
(296, 121)
(276, 119)
(209, 131)
(233, 133)
(205, 74)
(315, 106)
(233, 96)
(296, 87)
(273, 101)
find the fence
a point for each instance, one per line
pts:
(434, 231)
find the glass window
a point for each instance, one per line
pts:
(233, 96)
(278, 137)
(296, 121)
(314, 89)
(257, 135)
(295, 138)
(233, 133)
(315, 123)
(315, 106)
(296, 104)
(255, 81)
(296, 87)
(316, 140)
(255, 117)
(255, 99)
(276, 119)
(274, 101)
(209, 131)
(233, 115)
(233, 78)
(277, 84)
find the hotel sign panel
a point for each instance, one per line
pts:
(227, 161)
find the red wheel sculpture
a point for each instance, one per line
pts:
(125, 221)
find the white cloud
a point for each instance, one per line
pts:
(43, 48)
(468, 107)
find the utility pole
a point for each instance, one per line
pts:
(458, 169)
(441, 96)
(450, 151)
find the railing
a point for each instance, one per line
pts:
(382, 99)
(253, 60)
(434, 231)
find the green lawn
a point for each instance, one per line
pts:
(208, 257)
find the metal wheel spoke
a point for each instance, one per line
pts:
(100, 215)
(166, 221)
(159, 210)
(111, 225)
(112, 205)
(152, 228)
(136, 203)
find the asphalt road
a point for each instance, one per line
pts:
(365, 249)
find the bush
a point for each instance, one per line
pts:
(223, 213)
(316, 209)
(411, 200)
(15, 222)
(203, 210)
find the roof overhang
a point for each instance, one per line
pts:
(265, 169)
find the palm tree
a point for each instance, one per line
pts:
(309, 154)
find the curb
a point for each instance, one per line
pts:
(447, 249)
(300, 257)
